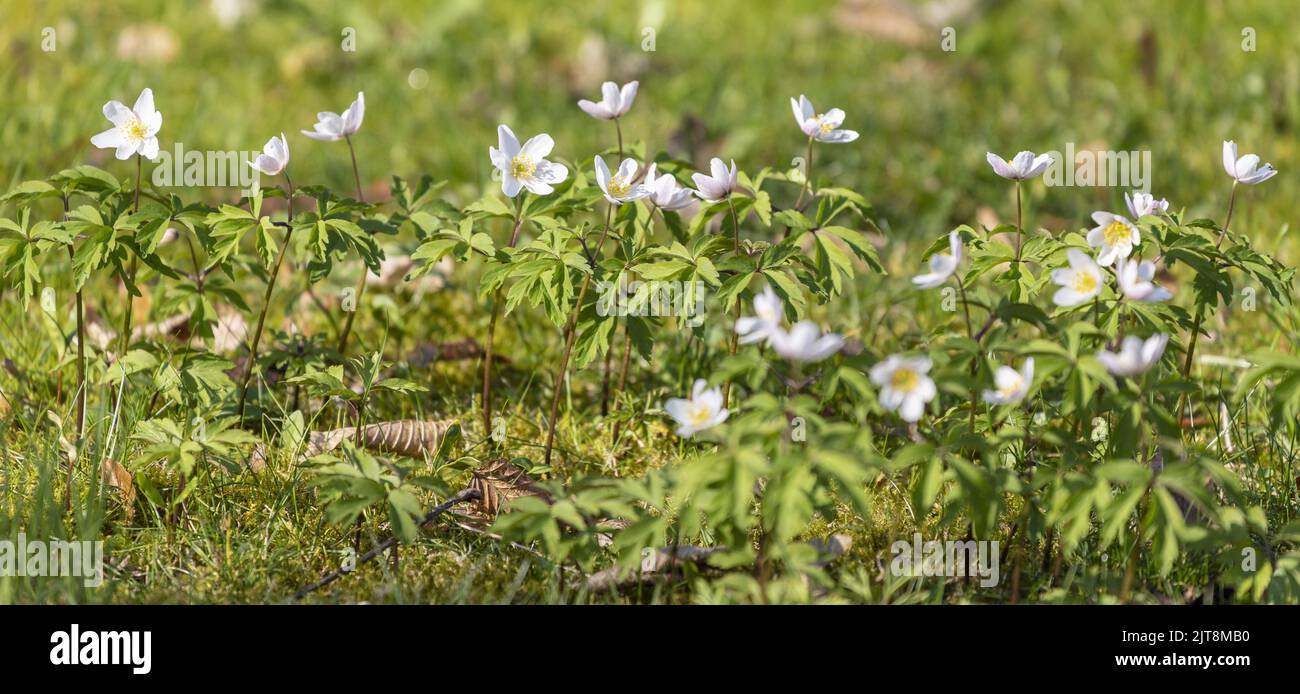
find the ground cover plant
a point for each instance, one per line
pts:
(609, 370)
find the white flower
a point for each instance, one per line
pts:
(331, 127)
(703, 411)
(1246, 169)
(822, 127)
(804, 342)
(1114, 235)
(614, 102)
(1023, 166)
(1079, 282)
(717, 187)
(942, 265)
(665, 193)
(1012, 385)
(904, 385)
(525, 167)
(1135, 355)
(1143, 204)
(134, 131)
(619, 188)
(274, 156)
(766, 320)
(1135, 281)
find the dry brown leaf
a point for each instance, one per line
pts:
(501, 482)
(257, 458)
(120, 479)
(411, 438)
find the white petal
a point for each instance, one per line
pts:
(1230, 157)
(127, 149)
(627, 96)
(838, 136)
(609, 96)
(355, 114)
(806, 107)
(321, 136)
(1066, 296)
(510, 185)
(1040, 164)
(602, 174)
(1000, 166)
(551, 172)
(1246, 165)
(507, 142)
(118, 113)
(677, 408)
(144, 104)
(538, 146)
(109, 139)
(912, 409)
(595, 110)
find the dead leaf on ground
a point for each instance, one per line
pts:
(500, 482)
(257, 458)
(411, 438)
(118, 478)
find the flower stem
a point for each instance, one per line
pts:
(492, 327)
(361, 282)
(130, 278)
(627, 341)
(356, 175)
(81, 370)
(570, 333)
(735, 336)
(1195, 334)
(970, 332)
(1019, 228)
(266, 304)
(609, 354)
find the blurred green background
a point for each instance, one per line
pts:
(1165, 76)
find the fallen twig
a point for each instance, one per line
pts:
(462, 495)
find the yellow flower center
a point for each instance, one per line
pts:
(823, 126)
(1011, 388)
(904, 379)
(618, 188)
(699, 414)
(1115, 233)
(522, 167)
(1085, 282)
(134, 129)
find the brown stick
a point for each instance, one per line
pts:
(266, 305)
(462, 495)
(570, 332)
(488, 349)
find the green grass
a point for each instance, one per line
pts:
(1169, 77)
